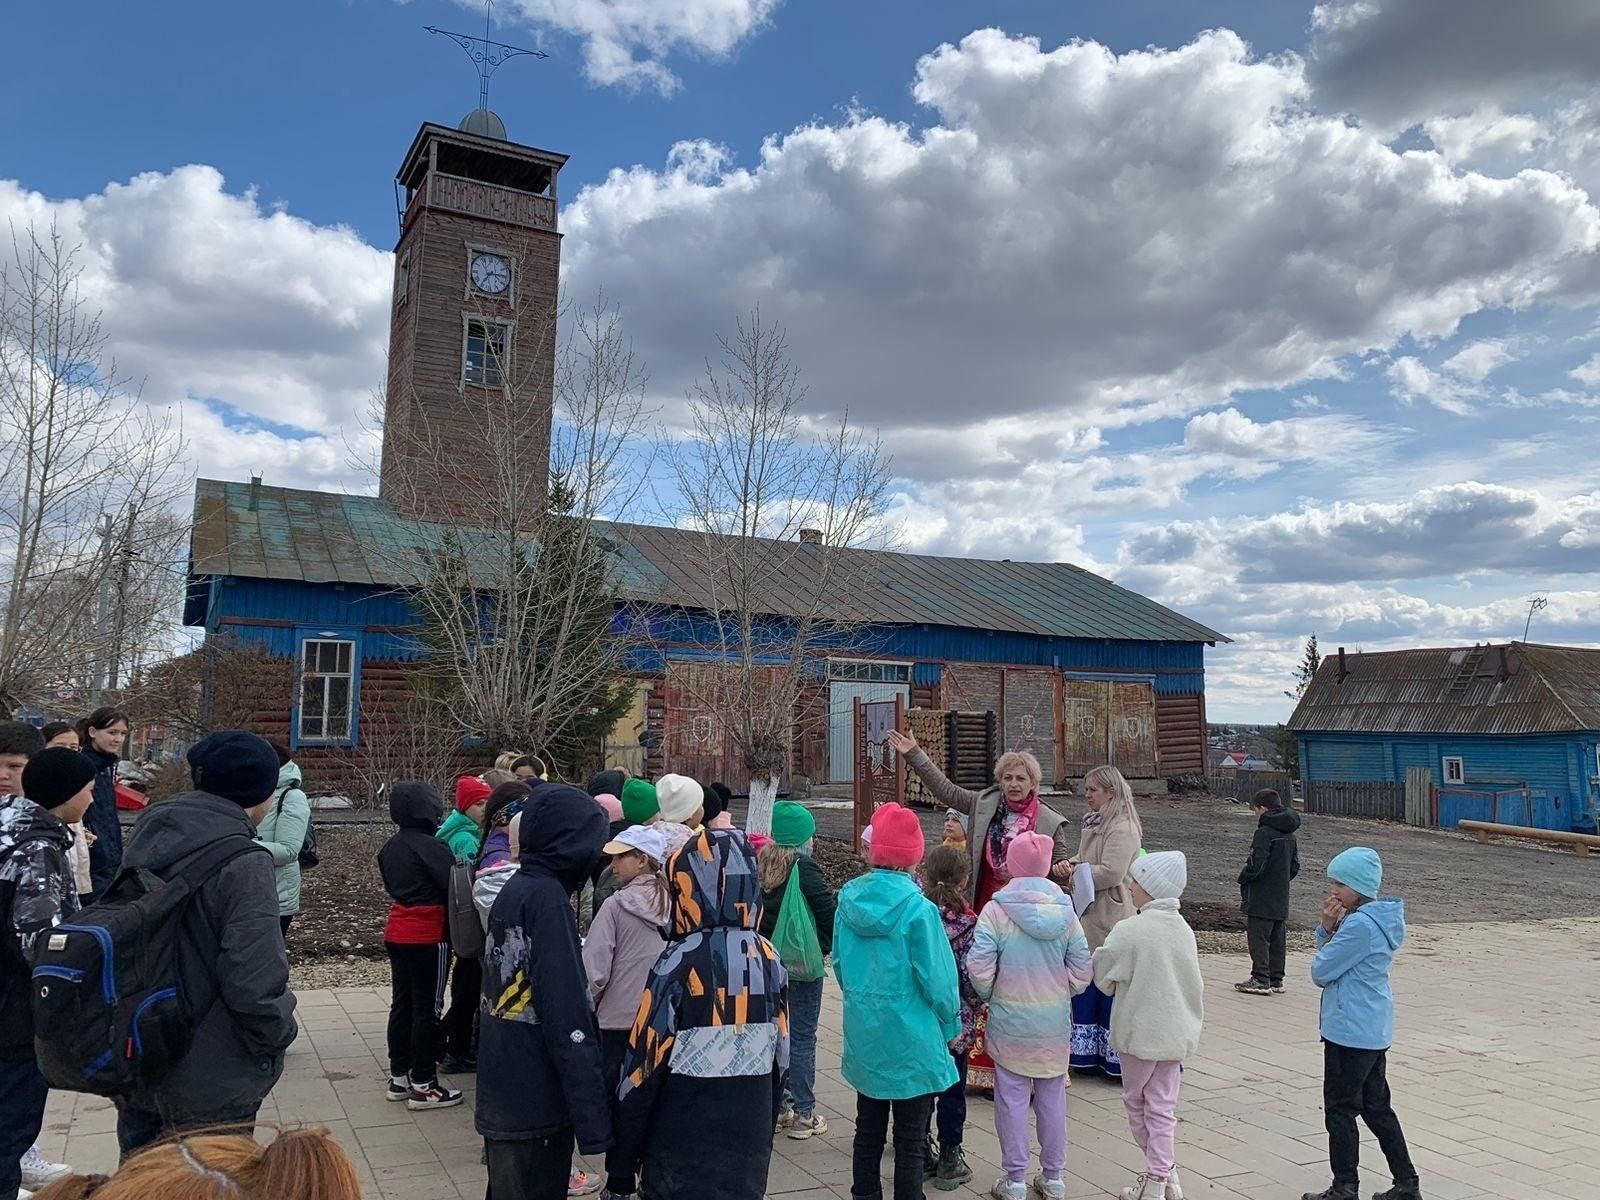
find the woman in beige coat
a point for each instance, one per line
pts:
(1109, 844)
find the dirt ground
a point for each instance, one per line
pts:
(1443, 876)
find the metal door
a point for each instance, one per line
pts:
(842, 697)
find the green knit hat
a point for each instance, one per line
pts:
(639, 803)
(792, 824)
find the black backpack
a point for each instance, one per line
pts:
(308, 856)
(466, 926)
(109, 1011)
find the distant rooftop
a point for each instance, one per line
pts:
(328, 537)
(1507, 688)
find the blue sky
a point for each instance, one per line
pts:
(1284, 315)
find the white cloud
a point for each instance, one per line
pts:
(1476, 361)
(1411, 379)
(1079, 237)
(1589, 372)
(627, 42)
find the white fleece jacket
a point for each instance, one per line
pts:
(1150, 964)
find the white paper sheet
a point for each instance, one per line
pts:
(1082, 888)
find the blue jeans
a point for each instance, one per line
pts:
(805, 1010)
(22, 1097)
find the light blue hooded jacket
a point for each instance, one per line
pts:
(283, 831)
(901, 999)
(1352, 969)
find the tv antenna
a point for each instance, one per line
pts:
(486, 54)
(1535, 604)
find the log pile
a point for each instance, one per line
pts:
(930, 726)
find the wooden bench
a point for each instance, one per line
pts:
(1581, 842)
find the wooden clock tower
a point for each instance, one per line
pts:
(473, 323)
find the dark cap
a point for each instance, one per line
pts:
(52, 777)
(235, 765)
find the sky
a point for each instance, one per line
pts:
(1285, 315)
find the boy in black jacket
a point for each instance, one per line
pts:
(415, 867)
(540, 1084)
(1264, 889)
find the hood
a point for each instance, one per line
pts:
(875, 904)
(642, 899)
(562, 833)
(1281, 820)
(416, 805)
(1039, 908)
(1388, 913)
(606, 783)
(958, 924)
(713, 883)
(22, 819)
(170, 829)
(289, 776)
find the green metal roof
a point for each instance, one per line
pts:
(325, 537)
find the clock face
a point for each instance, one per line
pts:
(490, 273)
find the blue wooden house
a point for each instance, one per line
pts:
(1508, 732)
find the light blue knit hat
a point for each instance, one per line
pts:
(1359, 869)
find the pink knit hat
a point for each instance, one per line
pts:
(609, 805)
(1028, 856)
(896, 837)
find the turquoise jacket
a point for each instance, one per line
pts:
(902, 1005)
(283, 831)
(1352, 969)
(463, 835)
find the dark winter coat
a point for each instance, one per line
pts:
(37, 892)
(232, 968)
(539, 1065)
(105, 855)
(814, 887)
(1274, 861)
(415, 866)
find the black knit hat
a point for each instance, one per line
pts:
(52, 777)
(235, 765)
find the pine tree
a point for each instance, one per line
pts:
(1307, 670)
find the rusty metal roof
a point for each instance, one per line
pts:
(327, 537)
(1508, 688)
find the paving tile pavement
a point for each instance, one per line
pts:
(1496, 1075)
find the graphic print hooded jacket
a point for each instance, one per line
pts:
(711, 1035)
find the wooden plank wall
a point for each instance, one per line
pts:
(1181, 734)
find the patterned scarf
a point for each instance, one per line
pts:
(1007, 823)
(716, 970)
(1092, 818)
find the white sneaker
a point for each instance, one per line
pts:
(582, 1183)
(808, 1127)
(1174, 1188)
(1004, 1189)
(1050, 1189)
(37, 1171)
(1136, 1188)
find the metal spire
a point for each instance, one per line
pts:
(485, 53)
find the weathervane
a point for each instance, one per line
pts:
(486, 54)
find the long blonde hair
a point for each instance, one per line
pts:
(1121, 807)
(224, 1166)
(775, 863)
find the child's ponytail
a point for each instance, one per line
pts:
(306, 1162)
(944, 877)
(775, 863)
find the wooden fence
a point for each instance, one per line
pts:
(1385, 801)
(1242, 785)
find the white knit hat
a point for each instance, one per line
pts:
(679, 797)
(1163, 874)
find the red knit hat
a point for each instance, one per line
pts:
(471, 790)
(896, 837)
(1028, 856)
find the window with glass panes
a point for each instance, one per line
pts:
(483, 357)
(869, 672)
(327, 676)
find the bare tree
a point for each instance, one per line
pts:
(514, 590)
(783, 508)
(88, 478)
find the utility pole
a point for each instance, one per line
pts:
(119, 625)
(102, 612)
(1535, 604)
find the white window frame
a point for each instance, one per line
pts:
(308, 674)
(509, 296)
(1460, 775)
(510, 330)
(402, 282)
(868, 670)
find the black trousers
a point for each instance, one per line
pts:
(613, 1048)
(22, 1097)
(1355, 1083)
(530, 1169)
(414, 1007)
(285, 921)
(872, 1131)
(950, 1107)
(461, 1022)
(1267, 948)
(140, 1127)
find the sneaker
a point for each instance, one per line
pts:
(1174, 1190)
(452, 1065)
(953, 1170)
(399, 1088)
(581, 1183)
(1050, 1189)
(1401, 1191)
(37, 1170)
(806, 1127)
(24, 1194)
(1005, 1189)
(785, 1118)
(432, 1095)
(1278, 989)
(1253, 987)
(1135, 1189)
(1333, 1192)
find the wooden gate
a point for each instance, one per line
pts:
(880, 776)
(697, 744)
(1108, 721)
